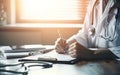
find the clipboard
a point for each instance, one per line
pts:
(52, 56)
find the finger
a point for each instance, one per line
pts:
(58, 44)
(72, 53)
(60, 41)
(57, 41)
(66, 47)
(72, 47)
(59, 49)
(72, 50)
(73, 44)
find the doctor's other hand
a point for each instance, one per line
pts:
(80, 52)
(61, 46)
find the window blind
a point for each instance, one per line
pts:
(50, 11)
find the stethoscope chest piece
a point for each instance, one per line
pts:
(91, 31)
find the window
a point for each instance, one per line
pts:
(50, 11)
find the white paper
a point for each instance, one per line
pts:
(52, 54)
(16, 55)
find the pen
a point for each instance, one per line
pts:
(47, 59)
(62, 43)
(60, 35)
(41, 51)
(39, 60)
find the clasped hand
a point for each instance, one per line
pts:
(74, 49)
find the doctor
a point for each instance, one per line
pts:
(100, 36)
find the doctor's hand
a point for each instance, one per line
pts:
(61, 46)
(78, 51)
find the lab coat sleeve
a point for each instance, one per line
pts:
(81, 38)
(115, 51)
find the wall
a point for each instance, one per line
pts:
(33, 36)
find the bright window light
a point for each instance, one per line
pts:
(50, 10)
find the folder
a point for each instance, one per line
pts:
(52, 56)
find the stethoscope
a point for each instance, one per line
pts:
(22, 69)
(106, 36)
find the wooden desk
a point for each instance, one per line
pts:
(81, 68)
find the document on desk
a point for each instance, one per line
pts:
(52, 56)
(16, 55)
(23, 51)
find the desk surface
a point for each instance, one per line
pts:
(81, 68)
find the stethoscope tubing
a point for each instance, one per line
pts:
(23, 69)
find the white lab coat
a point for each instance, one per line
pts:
(103, 22)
